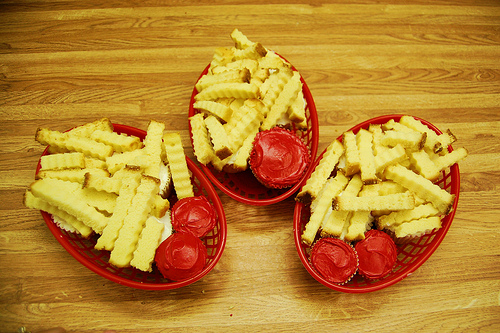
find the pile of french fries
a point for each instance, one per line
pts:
(247, 89)
(95, 181)
(383, 174)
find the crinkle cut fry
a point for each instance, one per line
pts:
(422, 187)
(321, 173)
(284, 100)
(397, 201)
(73, 143)
(149, 240)
(202, 146)
(351, 153)
(364, 140)
(130, 181)
(178, 165)
(76, 175)
(220, 90)
(250, 120)
(65, 196)
(153, 148)
(62, 161)
(133, 224)
(31, 201)
(119, 142)
(321, 205)
(219, 137)
(336, 221)
(216, 109)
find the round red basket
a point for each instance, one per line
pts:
(97, 261)
(243, 186)
(411, 254)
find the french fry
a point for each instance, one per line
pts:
(31, 201)
(336, 220)
(431, 141)
(321, 204)
(154, 150)
(424, 166)
(86, 130)
(240, 40)
(120, 143)
(321, 173)
(118, 161)
(65, 196)
(359, 223)
(249, 122)
(409, 140)
(449, 159)
(236, 90)
(218, 137)
(149, 240)
(283, 102)
(396, 218)
(134, 222)
(129, 183)
(390, 156)
(364, 141)
(70, 142)
(76, 175)
(297, 110)
(351, 153)
(398, 201)
(178, 165)
(424, 188)
(417, 227)
(229, 76)
(218, 110)
(203, 149)
(62, 161)
(239, 162)
(101, 182)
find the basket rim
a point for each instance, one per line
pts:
(206, 185)
(313, 149)
(422, 258)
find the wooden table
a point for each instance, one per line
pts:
(64, 63)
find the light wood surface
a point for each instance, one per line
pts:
(63, 63)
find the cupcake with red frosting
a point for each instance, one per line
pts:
(279, 158)
(194, 215)
(335, 260)
(181, 256)
(377, 254)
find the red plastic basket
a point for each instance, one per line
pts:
(243, 186)
(411, 254)
(97, 261)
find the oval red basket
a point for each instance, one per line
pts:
(97, 261)
(243, 186)
(411, 254)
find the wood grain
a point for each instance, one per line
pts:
(63, 63)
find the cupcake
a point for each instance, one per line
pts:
(335, 260)
(181, 256)
(377, 254)
(194, 215)
(279, 158)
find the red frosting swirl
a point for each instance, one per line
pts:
(334, 259)
(377, 254)
(181, 256)
(194, 215)
(279, 158)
